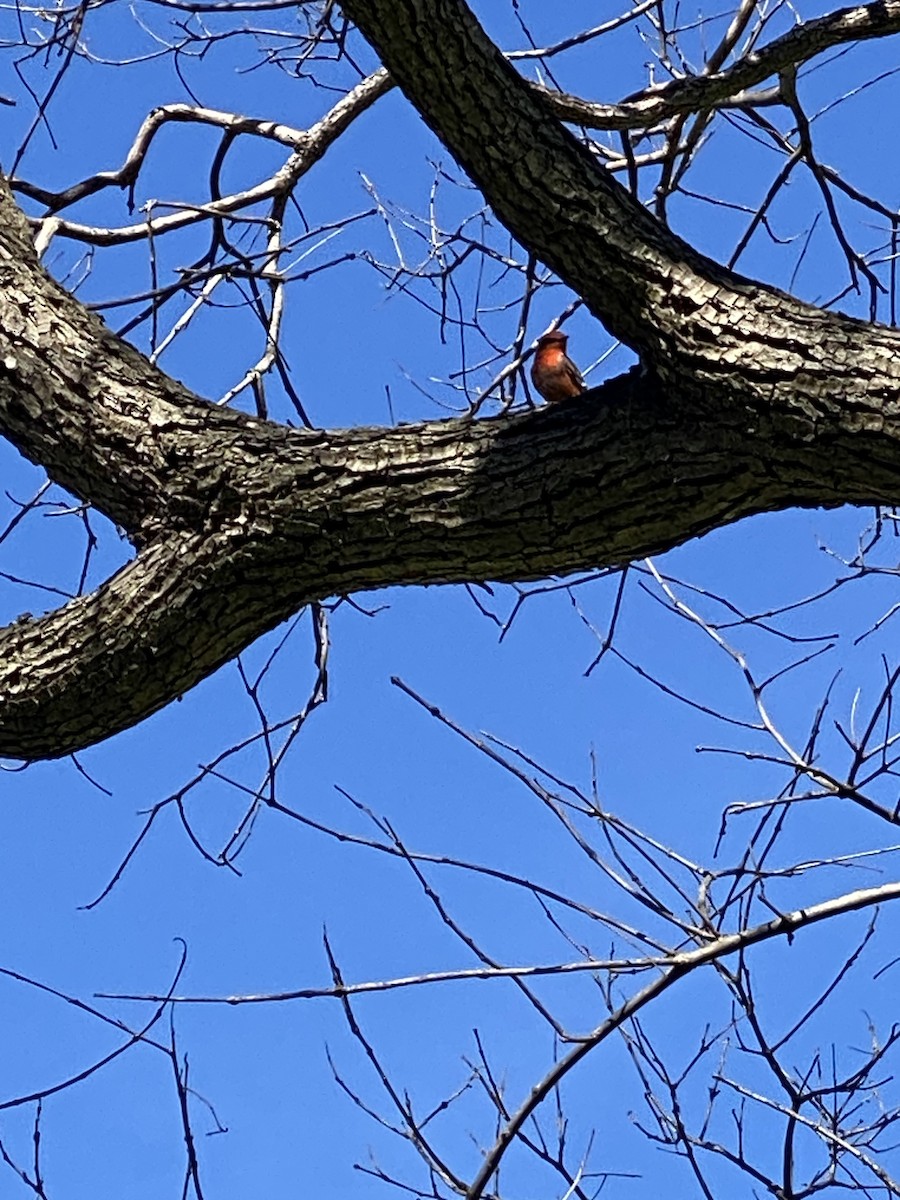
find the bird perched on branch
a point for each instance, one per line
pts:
(553, 373)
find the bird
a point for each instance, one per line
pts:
(553, 373)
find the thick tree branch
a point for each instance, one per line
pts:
(283, 517)
(678, 309)
(78, 400)
(543, 184)
(748, 401)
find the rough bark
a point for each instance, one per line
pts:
(747, 401)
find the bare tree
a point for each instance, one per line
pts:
(734, 398)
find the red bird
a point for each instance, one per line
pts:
(553, 373)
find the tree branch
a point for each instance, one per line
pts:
(729, 87)
(678, 309)
(780, 926)
(284, 517)
(748, 401)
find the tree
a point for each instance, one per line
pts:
(741, 399)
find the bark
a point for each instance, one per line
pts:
(747, 401)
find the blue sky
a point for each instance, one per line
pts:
(291, 1130)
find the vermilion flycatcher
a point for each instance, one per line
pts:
(553, 373)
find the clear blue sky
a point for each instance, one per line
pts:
(291, 1131)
